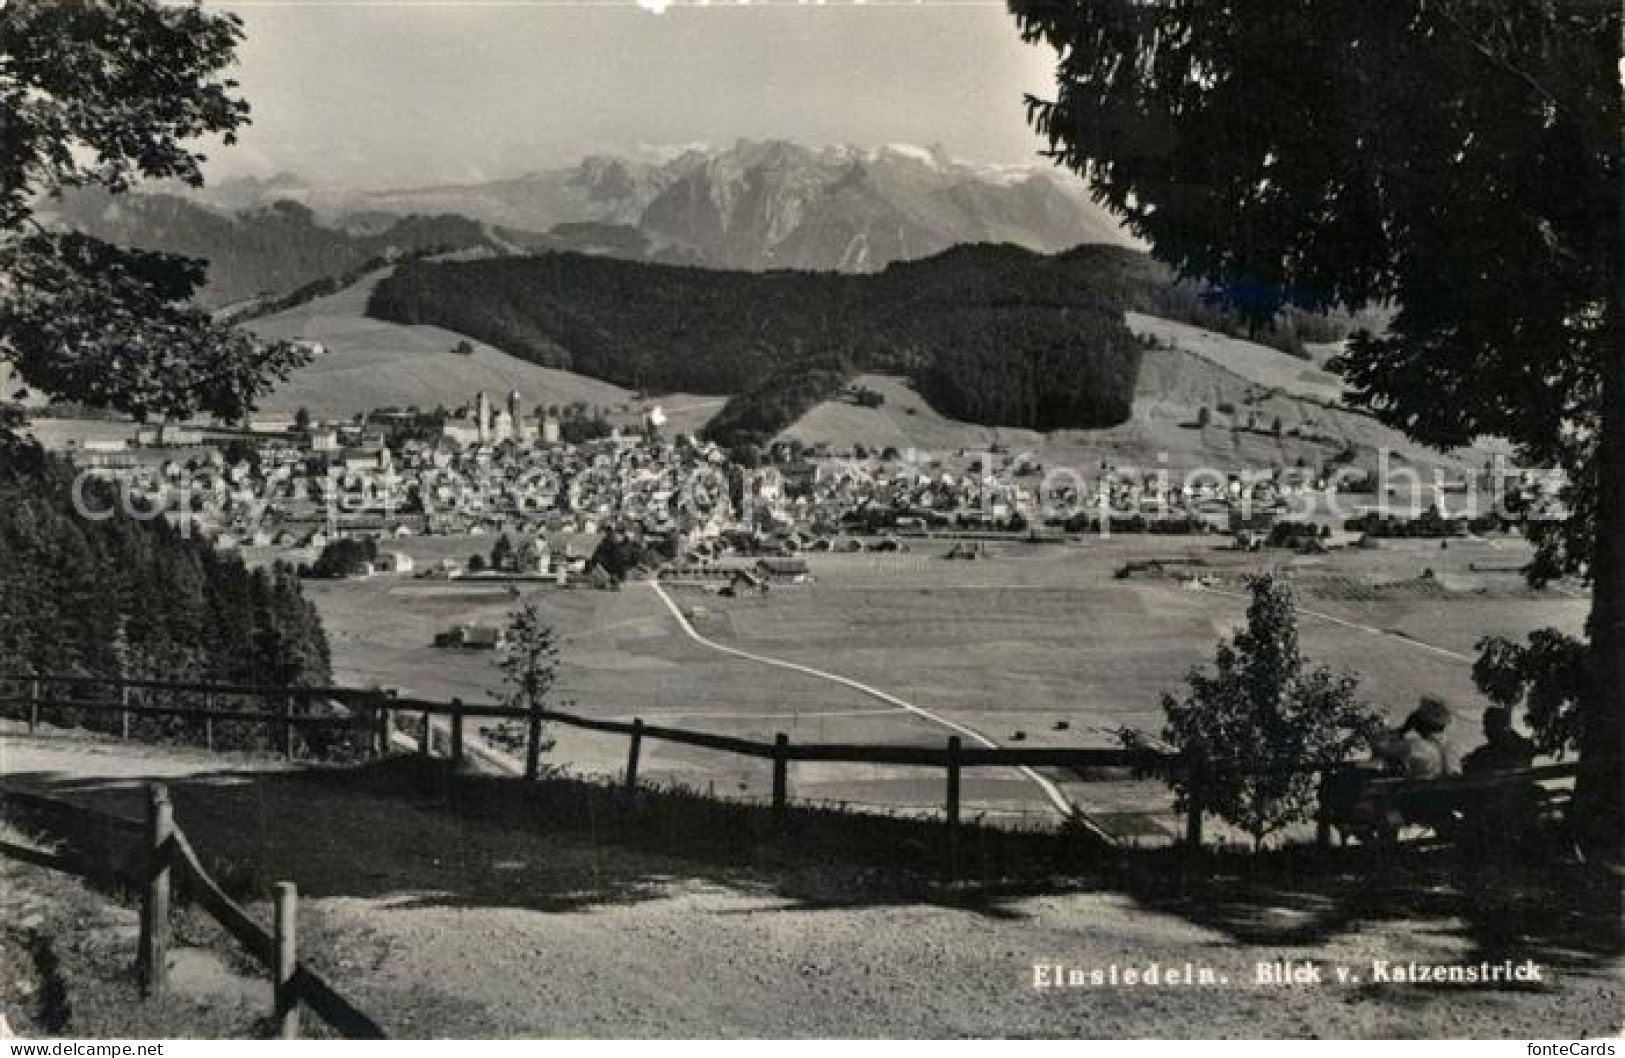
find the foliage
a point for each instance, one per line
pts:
(1200, 305)
(986, 332)
(119, 597)
(93, 322)
(865, 397)
(1264, 723)
(503, 555)
(1459, 160)
(1547, 675)
(346, 557)
(102, 94)
(1355, 195)
(1430, 524)
(578, 429)
(618, 554)
(530, 664)
(781, 396)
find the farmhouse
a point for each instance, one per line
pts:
(473, 637)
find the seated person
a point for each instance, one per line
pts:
(1503, 749)
(1417, 749)
(1502, 812)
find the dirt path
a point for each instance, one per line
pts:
(1058, 801)
(455, 926)
(1357, 626)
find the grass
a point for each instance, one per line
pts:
(67, 955)
(1028, 640)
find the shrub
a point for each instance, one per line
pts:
(1548, 674)
(1263, 723)
(344, 558)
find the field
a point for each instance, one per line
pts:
(1035, 645)
(1256, 363)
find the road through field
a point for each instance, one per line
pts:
(1357, 626)
(1051, 792)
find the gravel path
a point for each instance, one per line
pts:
(451, 927)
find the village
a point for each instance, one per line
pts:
(286, 490)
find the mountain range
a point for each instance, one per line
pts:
(754, 206)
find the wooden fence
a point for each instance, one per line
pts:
(167, 859)
(376, 714)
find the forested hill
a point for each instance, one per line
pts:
(990, 334)
(122, 597)
(264, 251)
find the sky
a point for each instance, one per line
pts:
(409, 93)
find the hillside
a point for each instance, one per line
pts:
(991, 334)
(269, 249)
(1191, 370)
(373, 364)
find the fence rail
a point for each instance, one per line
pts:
(375, 713)
(168, 859)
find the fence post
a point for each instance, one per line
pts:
(124, 711)
(456, 732)
(1195, 800)
(208, 720)
(33, 705)
(383, 720)
(781, 771)
(533, 743)
(284, 1000)
(287, 725)
(954, 746)
(632, 752)
(152, 952)
(1323, 826)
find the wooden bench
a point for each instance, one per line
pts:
(1374, 808)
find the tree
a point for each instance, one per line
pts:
(1264, 723)
(344, 558)
(105, 93)
(1546, 674)
(1287, 163)
(529, 669)
(503, 556)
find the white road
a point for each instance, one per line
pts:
(1357, 626)
(1051, 792)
